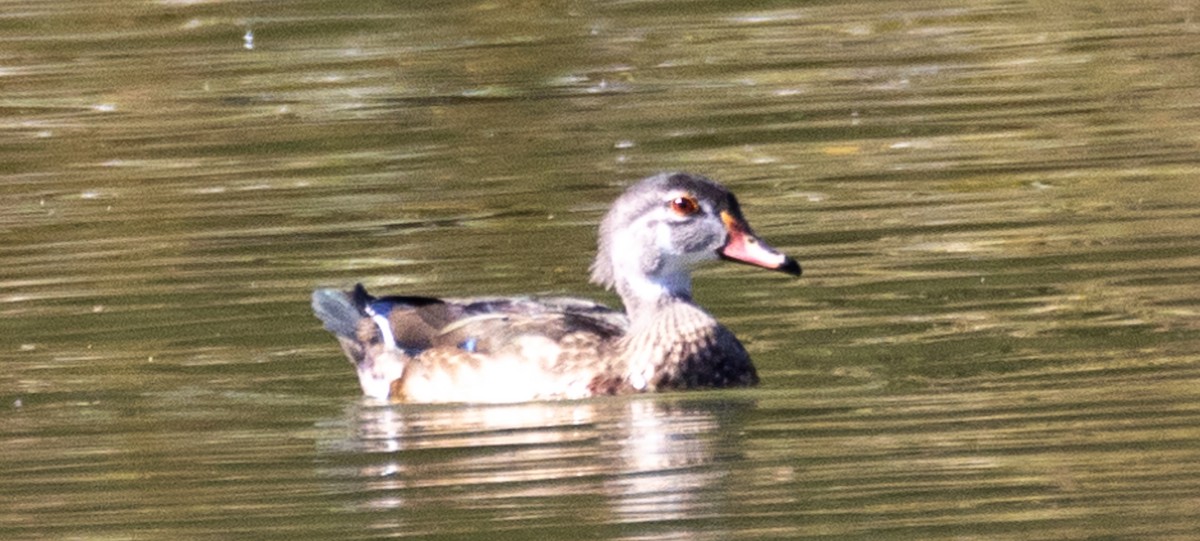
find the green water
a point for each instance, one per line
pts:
(997, 335)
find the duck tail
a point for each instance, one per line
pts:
(340, 311)
(375, 356)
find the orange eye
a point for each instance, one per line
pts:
(685, 205)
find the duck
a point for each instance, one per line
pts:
(418, 349)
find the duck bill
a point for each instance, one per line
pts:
(744, 247)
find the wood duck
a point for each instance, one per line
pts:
(421, 349)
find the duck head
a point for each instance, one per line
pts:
(663, 227)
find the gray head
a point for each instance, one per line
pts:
(665, 225)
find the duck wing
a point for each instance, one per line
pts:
(496, 326)
(478, 325)
(397, 336)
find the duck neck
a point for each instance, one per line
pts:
(644, 296)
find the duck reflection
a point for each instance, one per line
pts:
(609, 461)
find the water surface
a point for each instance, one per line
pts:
(997, 335)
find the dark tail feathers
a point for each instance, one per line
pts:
(339, 311)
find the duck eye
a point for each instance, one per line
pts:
(685, 205)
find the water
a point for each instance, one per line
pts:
(996, 337)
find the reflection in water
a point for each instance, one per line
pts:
(671, 448)
(619, 461)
